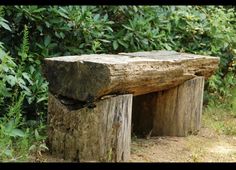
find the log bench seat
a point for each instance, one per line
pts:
(96, 100)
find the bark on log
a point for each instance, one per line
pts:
(102, 133)
(89, 77)
(173, 112)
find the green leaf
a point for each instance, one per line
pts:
(40, 28)
(105, 41)
(135, 9)
(9, 126)
(105, 17)
(14, 132)
(4, 91)
(123, 43)
(4, 24)
(47, 24)
(110, 29)
(62, 35)
(11, 80)
(26, 76)
(115, 45)
(39, 45)
(47, 40)
(17, 132)
(32, 148)
(42, 99)
(8, 152)
(127, 27)
(30, 99)
(39, 10)
(96, 17)
(63, 13)
(36, 133)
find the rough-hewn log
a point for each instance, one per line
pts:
(102, 133)
(173, 112)
(89, 77)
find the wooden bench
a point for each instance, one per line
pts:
(94, 100)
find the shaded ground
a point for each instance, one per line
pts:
(207, 146)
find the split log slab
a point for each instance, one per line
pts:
(99, 134)
(173, 112)
(89, 77)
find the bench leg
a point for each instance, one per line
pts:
(173, 112)
(99, 134)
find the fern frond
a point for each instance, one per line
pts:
(25, 43)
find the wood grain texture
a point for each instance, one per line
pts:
(179, 110)
(100, 134)
(93, 76)
(173, 112)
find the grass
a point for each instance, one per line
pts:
(197, 155)
(221, 119)
(18, 140)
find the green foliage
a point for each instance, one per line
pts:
(73, 30)
(3, 22)
(10, 134)
(17, 137)
(220, 118)
(55, 30)
(23, 75)
(35, 87)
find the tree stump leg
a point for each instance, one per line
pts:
(174, 112)
(100, 134)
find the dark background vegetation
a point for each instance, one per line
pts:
(28, 34)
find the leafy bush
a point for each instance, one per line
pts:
(69, 30)
(17, 137)
(72, 30)
(22, 75)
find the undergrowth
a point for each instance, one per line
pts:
(20, 136)
(222, 117)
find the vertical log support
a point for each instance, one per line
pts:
(173, 112)
(102, 133)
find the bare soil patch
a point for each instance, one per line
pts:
(207, 146)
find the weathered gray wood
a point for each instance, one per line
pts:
(102, 133)
(174, 112)
(89, 77)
